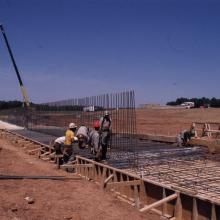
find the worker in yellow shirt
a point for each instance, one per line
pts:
(69, 139)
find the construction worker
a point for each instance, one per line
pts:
(105, 132)
(184, 136)
(192, 131)
(83, 136)
(69, 139)
(58, 144)
(94, 141)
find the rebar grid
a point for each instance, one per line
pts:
(192, 169)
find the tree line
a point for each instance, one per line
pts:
(44, 107)
(10, 104)
(213, 102)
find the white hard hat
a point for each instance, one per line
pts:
(72, 125)
(106, 113)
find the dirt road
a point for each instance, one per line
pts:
(54, 199)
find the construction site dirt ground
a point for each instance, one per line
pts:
(54, 199)
(171, 121)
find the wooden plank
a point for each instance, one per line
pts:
(143, 193)
(115, 179)
(178, 212)
(213, 214)
(124, 200)
(90, 172)
(124, 196)
(109, 178)
(51, 155)
(136, 197)
(164, 207)
(187, 191)
(126, 183)
(70, 165)
(159, 203)
(33, 151)
(45, 158)
(86, 171)
(103, 177)
(77, 162)
(44, 154)
(195, 215)
(83, 165)
(93, 172)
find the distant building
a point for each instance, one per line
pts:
(188, 104)
(89, 108)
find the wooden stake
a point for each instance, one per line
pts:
(164, 208)
(108, 179)
(213, 217)
(195, 210)
(178, 208)
(103, 177)
(136, 197)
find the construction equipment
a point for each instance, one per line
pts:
(23, 91)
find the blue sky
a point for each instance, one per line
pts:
(163, 49)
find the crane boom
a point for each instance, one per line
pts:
(23, 91)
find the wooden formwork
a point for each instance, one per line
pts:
(170, 202)
(208, 135)
(147, 195)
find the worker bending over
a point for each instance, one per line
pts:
(83, 136)
(69, 139)
(184, 136)
(58, 144)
